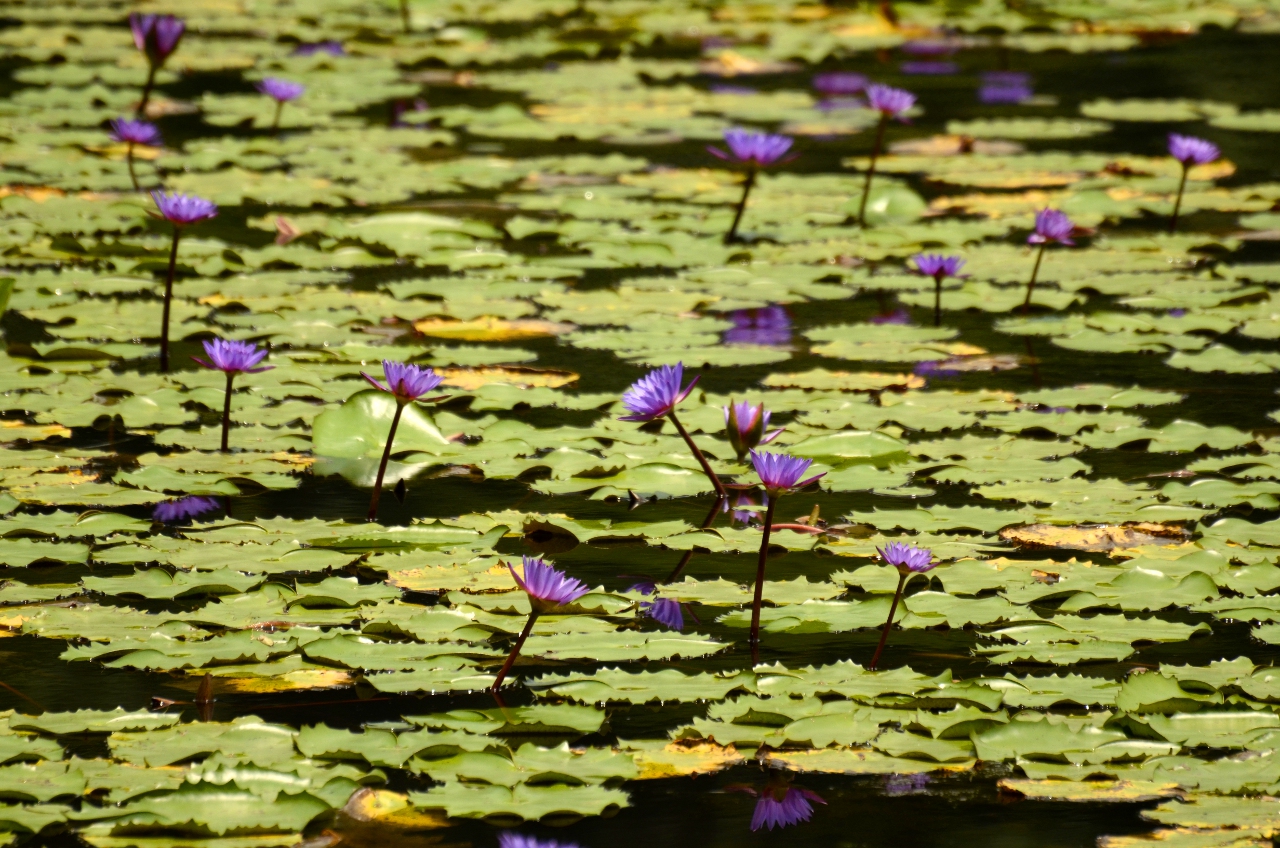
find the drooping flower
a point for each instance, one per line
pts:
(184, 509)
(280, 90)
(233, 357)
(753, 149)
(889, 101)
(938, 266)
(656, 393)
(908, 559)
(769, 326)
(1052, 225)
(135, 132)
(157, 36)
(780, 472)
(783, 806)
(184, 209)
(405, 381)
(547, 586)
(837, 83)
(745, 426)
(1190, 150)
(333, 48)
(665, 611)
(511, 839)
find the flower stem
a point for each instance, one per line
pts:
(146, 91)
(382, 466)
(404, 14)
(128, 157)
(1031, 284)
(688, 555)
(747, 184)
(275, 124)
(937, 301)
(226, 412)
(168, 298)
(515, 651)
(1177, 204)
(871, 170)
(764, 556)
(884, 634)
(702, 460)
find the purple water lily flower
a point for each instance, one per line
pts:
(511, 839)
(890, 102)
(939, 267)
(548, 589)
(770, 326)
(1000, 87)
(233, 357)
(666, 611)
(656, 393)
(157, 36)
(754, 149)
(783, 806)
(780, 472)
(184, 509)
(135, 132)
(280, 90)
(908, 559)
(405, 381)
(1052, 225)
(1190, 150)
(182, 210)
(333, 48)
(745, 426)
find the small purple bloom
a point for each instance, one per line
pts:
(1052, 225)
(333, 48)
(511, 839)
(780, 472)
(157, 36)
(233, 357)
(908, 559)
(547, 587)
(1190, 150)
(938, 266)
(665, 611)
(656, 393)
(770, 327)
(644, 587)
(839, 84)
(184, 509)
(889, 101)
(936, 368)
(783, 806)
(745, 425)
(407, 382)
(135, 132)
(1177, 312)
(929, 68)
(281, 91)
(756, 150)
(184, 209)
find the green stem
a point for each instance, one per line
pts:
(747, 184)
(884, 634)
(226, 412)
(382, 466)
(702, 460)
(146, 91)
(1031, 284)
(764, 556)
(275, 124)
(128, 157)
(404, 14)
(871, 170)
(1177, 205)
(515, 651)
(688, 555)
(168, 298)
(937, 300)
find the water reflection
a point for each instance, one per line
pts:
(770, 326)
(184, 509)
(1005, 87)
(905, 784)
(779, 804)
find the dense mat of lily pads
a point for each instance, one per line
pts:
(359, 221)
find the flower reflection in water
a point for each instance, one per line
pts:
(905, 784)
(779, 804)
(770, 326)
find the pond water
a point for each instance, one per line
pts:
(520, 196)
